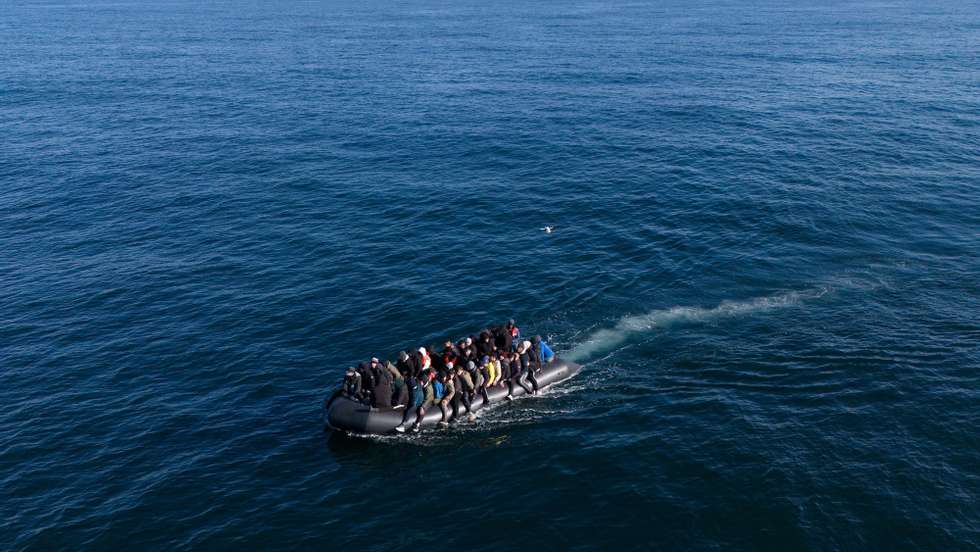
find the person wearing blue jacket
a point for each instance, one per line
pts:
(444, 391)
(544, 353)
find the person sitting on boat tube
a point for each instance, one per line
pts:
(545, 354)
(503, 366)
(367, 382)
(493, 374)
(463, 384)
(427, 400)
(527, 368)
(503, 372)
(350, 388)
(352, 384)
(517, 375)
(421, 400)
(446, 392)
(479, 379)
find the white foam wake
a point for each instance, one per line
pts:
(609, 338)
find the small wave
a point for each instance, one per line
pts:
(609, 338)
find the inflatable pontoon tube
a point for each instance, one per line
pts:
(354, 417)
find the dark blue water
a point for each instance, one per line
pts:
(767, 256)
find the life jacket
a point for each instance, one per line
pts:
(426, 361)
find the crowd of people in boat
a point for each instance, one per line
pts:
(450, 379)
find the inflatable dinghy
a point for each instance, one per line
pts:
(354, 417)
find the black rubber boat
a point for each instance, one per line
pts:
(354, 417)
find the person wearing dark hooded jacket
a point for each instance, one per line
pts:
(367, 381)
(517, 376)
(483, 379)
(404, 365)
(414, 364)
(503, 340)
(381, 394)
(535, 354)
(485, 345)
(527, 368)
(467, 355)
(510, 368)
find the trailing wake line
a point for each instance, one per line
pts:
(606, 339)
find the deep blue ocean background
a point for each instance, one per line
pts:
(767, 256)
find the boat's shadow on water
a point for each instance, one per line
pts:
(376, 454)
(378, 451)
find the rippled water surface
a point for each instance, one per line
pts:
(767, 256)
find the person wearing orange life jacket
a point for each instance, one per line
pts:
(515, 332)
(449, 353)
(426, 360)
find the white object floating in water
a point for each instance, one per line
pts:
(548, 229)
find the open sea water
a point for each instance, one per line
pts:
(767, 256)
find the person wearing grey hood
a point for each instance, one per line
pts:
(479, 382)
(350, 388)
